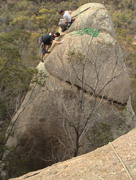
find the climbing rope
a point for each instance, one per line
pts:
(81, 12)
(121, 161)
(87, 30)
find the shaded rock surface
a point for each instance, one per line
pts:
(38, 121)
(39, 130)
(102, 164)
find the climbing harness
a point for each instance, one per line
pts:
(87, 30)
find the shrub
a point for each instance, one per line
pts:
(19, 22)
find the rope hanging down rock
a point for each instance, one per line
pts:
(87, 30)
(129, 175)
(81, 12)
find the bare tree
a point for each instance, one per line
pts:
(79, 106)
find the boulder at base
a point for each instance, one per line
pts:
(103, 163)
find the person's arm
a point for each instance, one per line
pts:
(56, 42)
(65, 20)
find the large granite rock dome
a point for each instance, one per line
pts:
(104, 57)
(104, 62)
(39, 130)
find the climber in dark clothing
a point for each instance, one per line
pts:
(46, 42)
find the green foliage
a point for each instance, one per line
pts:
(133, 91)
(100, 135)
(14, 83)
(43, 10)
(19, 165)
(14, 76)
(131, 59)
(1, 143)
(122, 19)
(22, 5)
(75, 58)
(19, 22)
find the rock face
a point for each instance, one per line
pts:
(75, 111)
(103, 163)
(105, 62)
(93, 15)
(104, 58)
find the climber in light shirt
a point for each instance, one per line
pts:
(66, 21)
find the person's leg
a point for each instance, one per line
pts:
(43, 51)
(48, 47)
(69, 24)
(41, 57)
(63, 26)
